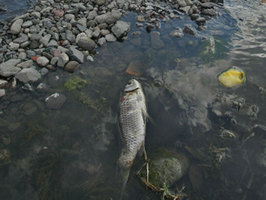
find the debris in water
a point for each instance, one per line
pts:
(232, 77)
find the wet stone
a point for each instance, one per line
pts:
(110, 38)
(86, 43)
(28, 75)
(9, 68)
(76, 55)
(55, 101)
(120, 29)
(189, 29)
(42, 61)
(25, 64)
(71, 66)
(177, 33)
(62, 60)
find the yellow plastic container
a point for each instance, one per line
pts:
(232, 77)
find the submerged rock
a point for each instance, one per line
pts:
(55, 101)
(167, 167)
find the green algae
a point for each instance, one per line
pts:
(75, 83)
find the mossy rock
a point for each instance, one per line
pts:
(75, 83)
(167, 167)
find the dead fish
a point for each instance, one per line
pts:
(133, 115)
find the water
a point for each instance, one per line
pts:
(71, 153)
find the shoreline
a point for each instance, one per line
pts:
(52, 34)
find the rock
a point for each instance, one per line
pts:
(185, 9)
(105, 32)
(58, 13)
(120, 29)
(92, 15)
(55, 101)
(36, 14)
(101, 41)
(62, 60)
(96, 33)
(21, 39)
(42, 61)
(75, 54)
(177, 33)
(28, 75)
(2, 92)
(100, 2)
(3, 83)
(45, 40)
(209, 12)
(9, 68)
(140, 18)
(70, 36)
(71, 66)
(25, 64)
(189, 29)
(27, 24)
(156, 41)
(13, 46)
(44, 71)
(35, 37)
(110, 38)
(86, 43)
(200, 20)
(181, 3)
(167, 167)
(16, 27)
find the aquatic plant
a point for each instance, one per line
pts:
(75, 83)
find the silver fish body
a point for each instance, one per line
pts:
(133, 113)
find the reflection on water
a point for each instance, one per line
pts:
(71, 153)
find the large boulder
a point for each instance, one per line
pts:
(120, 29)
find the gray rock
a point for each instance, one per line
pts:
(110, 38)
(16, 27)
(9, 68)
(81, 28)
(70, 36)
(54, 61)
(55, 101)
(96, 33)
(3, 83)
(2, 92)
(76, 55)
(27, 24)
(25, 44)
(25, 64)
(21, 39)
(177, 33)
(181, 3)
(52, 43)
(101, 41)
(42, 61)
(35, 37)
(13, 46)
(36, 14)
(200, 20)
(44, 71)
(120, 29)
(71, 66)
(62, 60)
(92, 15)
(100, 2)
(30, 53)
(189, 29)
(185, 9)
(45, 40)
(28, 75)
(209, 12)
(109, 17)
(86, 43)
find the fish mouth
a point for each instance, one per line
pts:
(133, 90)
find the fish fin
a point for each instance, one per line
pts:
(142, 152)
(147, 117)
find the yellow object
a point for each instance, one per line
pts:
(232, 77)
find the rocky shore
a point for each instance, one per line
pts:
(64, 34)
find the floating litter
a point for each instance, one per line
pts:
(234, 76)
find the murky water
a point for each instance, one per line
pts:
(71, 153)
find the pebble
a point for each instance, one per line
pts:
(55, 101)
(42, 61)
(2, 92)
(62, 60)
(189, 29)
(120, 28)
(110, 38)
(26, 64)
(16, 27)
(71, 66)
(28, 75)
(9, 68)
(27, 24)
(3, 83)
(13, 46)
(101, 41)
(86, 43)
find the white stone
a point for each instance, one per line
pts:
(42, 61)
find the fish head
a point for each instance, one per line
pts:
(132, 85)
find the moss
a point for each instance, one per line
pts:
(75, 83)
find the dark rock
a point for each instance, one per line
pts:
(55, 101)
(71, 66)
(189, 29)
(209, 12)
(86, 43)
(75, 54)
(120, 29)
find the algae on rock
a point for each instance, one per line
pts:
(75, 83)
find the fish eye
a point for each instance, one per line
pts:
(129, 83)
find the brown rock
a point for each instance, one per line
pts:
(71, 66)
